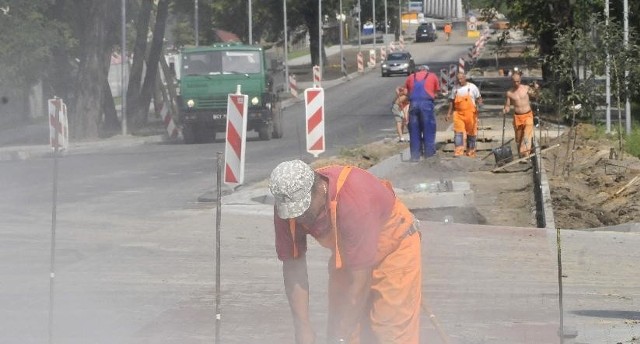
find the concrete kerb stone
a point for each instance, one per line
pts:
(13, 153)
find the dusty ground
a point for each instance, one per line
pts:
(589, 191)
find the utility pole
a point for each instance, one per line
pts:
(123, 69)
(195, 20)
(386, 20)
(374, 26)
(627, 105)
(250, 25)
(359, 27)
(607, 71)
(286, 46)
(341, 20)
(320, 35)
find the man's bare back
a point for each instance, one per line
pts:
(518, 95)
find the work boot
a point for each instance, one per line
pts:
(471, 153)
(458, 151)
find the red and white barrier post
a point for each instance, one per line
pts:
(372, 58)
(293, 86)
(58, 124)
(461, 65)
(360, 59)
(317, 76)
(444, 79)
(452, 75)
(314, 109)
(383, 53)
(237, 105)
(167, 119)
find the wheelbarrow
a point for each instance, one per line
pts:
(502, 154)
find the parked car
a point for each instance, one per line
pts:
(426, 32)
(398, 63)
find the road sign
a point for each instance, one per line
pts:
(314, 108)
(237, 105)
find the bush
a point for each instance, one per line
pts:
(633, 142)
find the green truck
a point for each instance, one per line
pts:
(208, 74)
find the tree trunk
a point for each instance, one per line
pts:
(95, 59)
(139, 52)
(111, 122)
(155, 53)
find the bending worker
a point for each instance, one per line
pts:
(422, 87)
(375, 268)
(464, 102)
(519, 95)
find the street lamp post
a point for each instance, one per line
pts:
(359, 27)
(341, 17)
(386, 20)
(250, 24)
(195, 21)
(123, 64)
(286, 46)
(374, 24)
(320, 35)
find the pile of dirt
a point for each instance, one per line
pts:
(592, 185)
(364, 156)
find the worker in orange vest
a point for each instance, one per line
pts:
(447, 30)
(464, 102)
(375, 268)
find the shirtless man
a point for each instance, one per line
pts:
(523, 118)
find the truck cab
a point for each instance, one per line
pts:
(208, 74)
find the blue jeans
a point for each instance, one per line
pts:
(422, 129)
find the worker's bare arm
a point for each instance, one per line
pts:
(296, 284)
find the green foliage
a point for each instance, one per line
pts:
(632, 144)
(27, 40)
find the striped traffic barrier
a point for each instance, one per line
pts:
(372, 58)
(461, 65)
(360, 59)
(314, 109)
(293, 86)
(234, 151)
(444, 78)
(167, 119)
(383, 53)
(452, 75)
(317, 76)
(401, 42)
(58, 124)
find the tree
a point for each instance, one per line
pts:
(141, 109)
(95, 58)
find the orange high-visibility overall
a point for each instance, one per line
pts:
(523, 128)
(396, 281)
(465, 121)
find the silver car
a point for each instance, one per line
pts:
(398, 63)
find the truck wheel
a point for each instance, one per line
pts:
(277, 122)
(265, 132)
(188, 134)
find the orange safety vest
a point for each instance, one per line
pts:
(391, 235)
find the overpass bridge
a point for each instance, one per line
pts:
(443, 8)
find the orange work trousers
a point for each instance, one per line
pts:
(465, 124)
(394, 300)
(523, 128)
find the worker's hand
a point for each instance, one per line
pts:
(447, 117)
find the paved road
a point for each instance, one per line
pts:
(135, 250)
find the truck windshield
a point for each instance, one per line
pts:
(221, 62)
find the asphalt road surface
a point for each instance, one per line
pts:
(130, 251)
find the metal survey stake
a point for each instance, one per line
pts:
(54, 211)
(218, 220)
